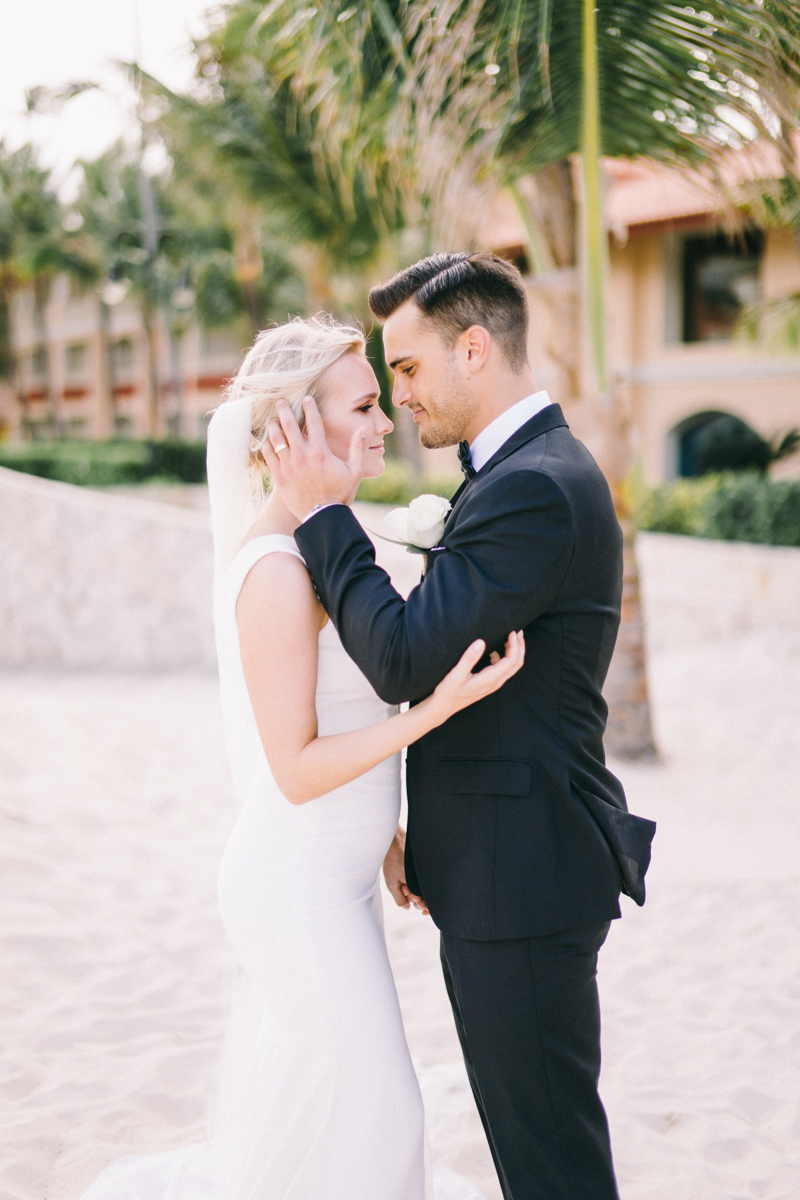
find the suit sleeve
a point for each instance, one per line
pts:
(504, 562)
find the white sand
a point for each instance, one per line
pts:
(115, 803)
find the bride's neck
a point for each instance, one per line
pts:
(275, 518)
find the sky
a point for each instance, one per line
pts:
(52, 42)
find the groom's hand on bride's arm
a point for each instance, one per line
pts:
(303, 469)
(394, 872)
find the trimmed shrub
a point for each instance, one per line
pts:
(754, 509)
(184, 461)
(92, 464)
(677, 507)
(732, 508)
(104, 464)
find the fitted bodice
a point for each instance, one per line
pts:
(344, 699)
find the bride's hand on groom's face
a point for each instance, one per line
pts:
(303, 469)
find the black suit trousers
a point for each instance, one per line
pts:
(528, 1019)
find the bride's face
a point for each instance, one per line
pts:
(349, 401)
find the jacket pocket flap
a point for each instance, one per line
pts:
(485, 776)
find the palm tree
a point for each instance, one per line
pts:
(512, 91)
(169, 240)
(373, 130)
(747, 55)
(250, 128)
(33, 250)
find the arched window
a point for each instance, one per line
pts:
(717, 441)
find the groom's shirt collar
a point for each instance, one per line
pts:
(490, 439)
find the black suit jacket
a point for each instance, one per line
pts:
(515, 825)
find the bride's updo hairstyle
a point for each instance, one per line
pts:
(285, 363)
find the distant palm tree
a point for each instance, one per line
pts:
(169, 241)
(34, 248)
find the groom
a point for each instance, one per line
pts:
(519, 839)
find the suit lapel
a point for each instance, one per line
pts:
(454, 499)
(549, 418)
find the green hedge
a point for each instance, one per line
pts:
(103, 464)
(732, 508)
(399, 484)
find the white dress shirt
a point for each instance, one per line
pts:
(490, 439)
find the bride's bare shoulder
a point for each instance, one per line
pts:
(279, 586)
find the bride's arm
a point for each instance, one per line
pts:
(279, 621)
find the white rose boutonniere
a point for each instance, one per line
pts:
(421, 525)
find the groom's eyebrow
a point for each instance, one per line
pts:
(397, 361)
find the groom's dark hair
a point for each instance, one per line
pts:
(455, 291)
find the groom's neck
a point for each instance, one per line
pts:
(498, 391)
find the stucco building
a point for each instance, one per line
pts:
(86, 370)
(678, 284)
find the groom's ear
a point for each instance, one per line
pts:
(476, 342)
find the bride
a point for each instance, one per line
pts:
(318, 1099)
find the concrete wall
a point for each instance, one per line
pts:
(696, 590)
(92, 580)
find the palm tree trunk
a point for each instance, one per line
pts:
(177, 383)
(107, 383)
(152, 374)
(41, 295)
(547, 204)
(247, 258)
(630, 731)
(18, 384)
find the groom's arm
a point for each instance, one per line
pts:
(503, 565)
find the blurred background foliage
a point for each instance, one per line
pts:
(108, 464)
(741, 507)
(323, 147)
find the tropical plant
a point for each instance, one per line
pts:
(373, 129)
(774, 203)
(164, 241)
(422, 106)
(728, 444)
(34, 248)
(247, 126)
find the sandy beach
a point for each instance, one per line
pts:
(115, 803)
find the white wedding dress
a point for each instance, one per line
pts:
(329, 1102)
(318, 1098)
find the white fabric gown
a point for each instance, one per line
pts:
(318, 1097)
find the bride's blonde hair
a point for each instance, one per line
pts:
(285, 363)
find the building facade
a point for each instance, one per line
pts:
(84, 370)
(678, 285)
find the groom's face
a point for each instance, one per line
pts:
(431, 379)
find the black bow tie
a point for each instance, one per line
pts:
(465, 458)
